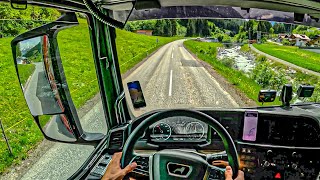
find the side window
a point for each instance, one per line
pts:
(78, 63)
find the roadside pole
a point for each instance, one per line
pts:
(5, 137)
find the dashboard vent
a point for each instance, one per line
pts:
(116, 139)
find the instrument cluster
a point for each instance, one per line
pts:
(178, 129)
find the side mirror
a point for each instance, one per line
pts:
(40, 87)
(267, 95)
(305, 91)
(44, 85)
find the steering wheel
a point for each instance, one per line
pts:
(178, 164)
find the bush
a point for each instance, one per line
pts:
(262, 74)
(261, 59)
(245, 48)
(229, 62)
(286, 42)
(266, 77)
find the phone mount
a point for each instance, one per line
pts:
(286, 95)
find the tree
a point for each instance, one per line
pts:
(206, 28)
(158, 29)
(199, 24)
(279, 28)
(174, 27)
(19, 24)
(191, 29)
(167, 28)
(271, 31)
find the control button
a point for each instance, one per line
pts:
(265, 164)
(294, 166)
(269, 154)
(294, 154)
(215, 174)
(98, 171)
(277, 176)
(105, 161)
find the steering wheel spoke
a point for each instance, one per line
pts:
(142, 168)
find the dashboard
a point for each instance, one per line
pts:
(272, 142)
(271, 145)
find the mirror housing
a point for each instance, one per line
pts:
(43, 83)
(267, 95)
(305, 91)
(19, 4)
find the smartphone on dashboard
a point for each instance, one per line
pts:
(136, 94)
(250, 126)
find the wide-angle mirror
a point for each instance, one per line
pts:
(57, 127)
(37, 77)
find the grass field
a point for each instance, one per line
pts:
(76, 55)
(245, 48)
(292, 54)
(131, 49)
(13, 109)
(208, 51)
(25, 70)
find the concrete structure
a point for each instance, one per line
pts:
(145, 32)
(315, 42)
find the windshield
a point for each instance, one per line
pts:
(217, 63)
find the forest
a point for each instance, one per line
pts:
(225, 30)
(14, 22)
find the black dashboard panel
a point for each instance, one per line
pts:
(288, 131)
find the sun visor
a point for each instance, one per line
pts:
(225, 12)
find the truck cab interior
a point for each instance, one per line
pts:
(174, 139)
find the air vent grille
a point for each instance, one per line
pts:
(116, 140)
